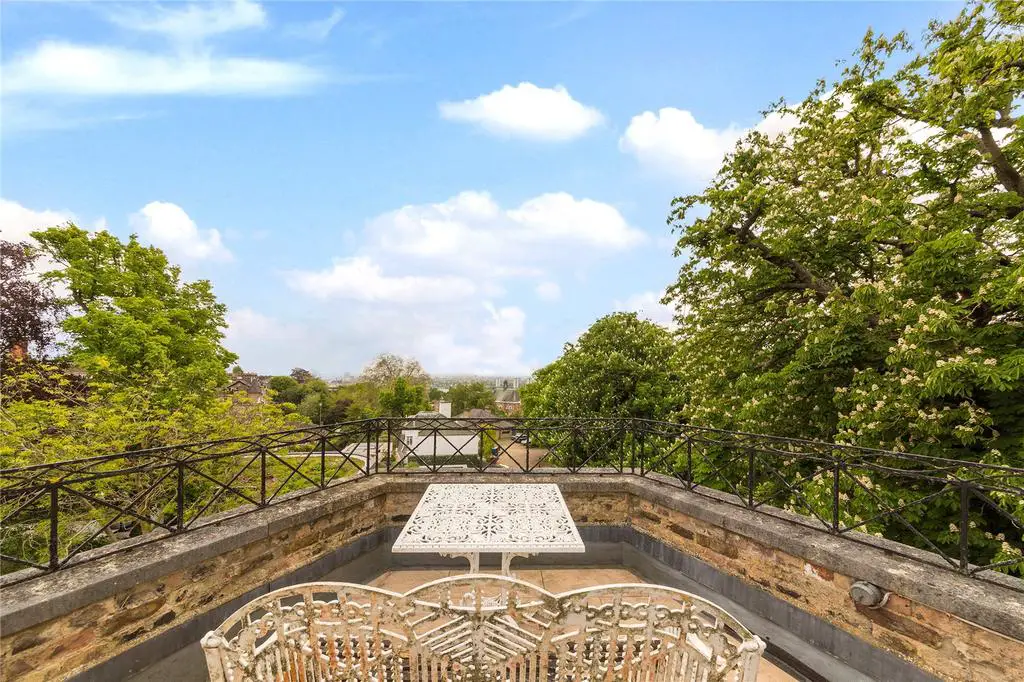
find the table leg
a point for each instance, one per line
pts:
(473, 557)
(506, 562)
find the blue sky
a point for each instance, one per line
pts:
(471, 184)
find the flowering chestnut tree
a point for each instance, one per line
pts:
(860, 278)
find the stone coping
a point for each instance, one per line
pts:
(994, 606)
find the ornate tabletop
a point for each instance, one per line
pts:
(499, 517)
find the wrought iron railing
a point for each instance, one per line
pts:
(968, 516)
(481, 628)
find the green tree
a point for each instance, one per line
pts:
(286, 390)
(402, 398)
(132, 320)
(470, 396)
(361, 400)
(860, 277)
(620, 367)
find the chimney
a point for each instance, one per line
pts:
(445, 408)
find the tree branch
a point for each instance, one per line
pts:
(1008, 176)
(803, 276)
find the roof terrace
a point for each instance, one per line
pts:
(116, 566)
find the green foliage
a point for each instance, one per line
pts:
(620, 367)
(435, 393)
(861, 278)
(104, 418)
(143, 367)
(403, 399)
(488, 442)
(472, 395)
(301, 376)
(360, 400)
(133, 321)
(316, 401)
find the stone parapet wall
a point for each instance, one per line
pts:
(814, 572)
(56, 626)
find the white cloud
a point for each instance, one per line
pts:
(648, 306)
(674, 141)
(469, 228)
(167, 226)
(189, 22)
(184, 63)
(317, 30)
(86, 70)
(495, 349)
(427, 278)
(361, 279)
(480, 339)
(246, 322)
(549, 291)
(776, 123)
(560, 217)
(17, 221)
(526, 110)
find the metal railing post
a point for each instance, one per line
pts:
(180, 502)
(750, 477)
(965, 525)
(367, 453)
(263, 477)
(835, 492)
(54, 511)
(391, 446)
(689, 464)
(643, 462)
(622, 449)
(323, 460)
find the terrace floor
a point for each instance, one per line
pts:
(188, 665)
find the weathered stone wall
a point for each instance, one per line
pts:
(934, 639)
(56, 626)
(107, 624)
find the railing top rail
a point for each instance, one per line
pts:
(181, 487)
(382, 424)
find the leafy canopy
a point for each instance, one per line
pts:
(620, 367)
(470, 395)
(861, 278)
(403, 398)
(132, 320)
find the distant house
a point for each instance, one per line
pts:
(429, 434)
(507, 400)
(492, 420)
(253, 385)
(442, 406)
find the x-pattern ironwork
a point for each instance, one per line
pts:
(233, 476)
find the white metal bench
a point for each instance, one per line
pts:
(504, 630)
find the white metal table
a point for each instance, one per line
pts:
(466, 519)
